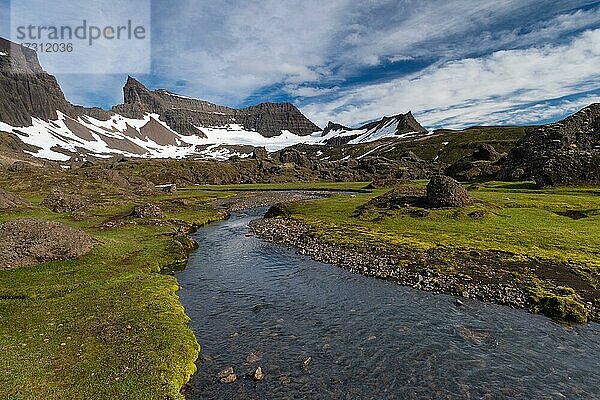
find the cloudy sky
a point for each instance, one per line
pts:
(454, 63)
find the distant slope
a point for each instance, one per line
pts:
(401, 126)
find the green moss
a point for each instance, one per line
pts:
(565, 308)
(107, 325)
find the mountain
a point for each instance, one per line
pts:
(33, 109)
(401, 126)
(185, 114)
(563, 153)
(155, 123)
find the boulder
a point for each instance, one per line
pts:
(486, 152)
(147, 210)
(278, 211)
(171, 189)
(10, 201)
(61, 203)
(469, 170)
(481, 165)
(27, 242)
(443, 191)
(258, 375)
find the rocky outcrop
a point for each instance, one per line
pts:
(481, 165)
(27, 242)
(184, 114)
(564, 153)
(295, 157)
(443, 191)
(147, 210)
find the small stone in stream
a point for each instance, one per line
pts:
(307, 362)
(253, 357)
(229, 379)
(258, 374)
(225, 373)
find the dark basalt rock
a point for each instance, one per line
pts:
(486, 152)
(278, 211)
(443, 191)
(481, 165)
(563, 153)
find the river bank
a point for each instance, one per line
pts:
(328, 233)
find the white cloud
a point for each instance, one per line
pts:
(475, 90)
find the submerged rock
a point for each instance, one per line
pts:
(258, 374)
(227, 376)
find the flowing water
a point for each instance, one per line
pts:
(366, 338)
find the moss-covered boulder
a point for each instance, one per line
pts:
(564, 308)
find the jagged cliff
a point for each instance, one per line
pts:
(25, 89)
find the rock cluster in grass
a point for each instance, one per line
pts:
(443, 191)
(62, 203)
(10, 201)
(265, 199)
(27, 242)
(147, 210)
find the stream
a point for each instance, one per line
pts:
(366, 338)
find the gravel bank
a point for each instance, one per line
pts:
(377, 263)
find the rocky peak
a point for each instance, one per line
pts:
(26, 90)
(183, 114)
(133, 91)
(334, 127)
(405, 123)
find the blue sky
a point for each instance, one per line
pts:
(453, 63)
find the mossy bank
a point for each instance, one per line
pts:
(514, 245)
